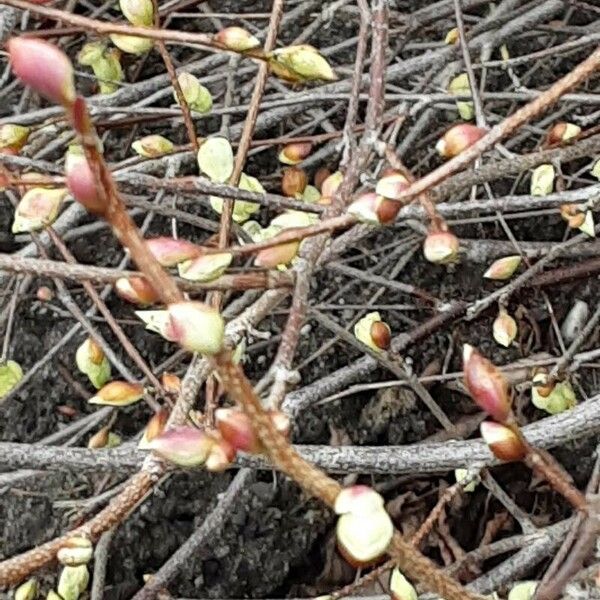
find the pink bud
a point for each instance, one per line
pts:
(486, 384)
(236, 38)
(169, 251)
(221, 456)
(185, 446)
(372, 208)
(459, 138)
(136, 290)
(154, 428)
(502, 441)
(441, 247)
(81, 182)
(196, 326)
(391, 184)
(43, 67)
(118, 393)
(282, 254)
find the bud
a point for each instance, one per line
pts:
(136, 290)
(503, 442)
(196, 327)
(12, 138)
(462, 475)
(157, 321)
(331, 184)
(171, 383)
(43, 67)
(77, 550)
(27, 590)
(300, 63)
(37, 209)
(542, 180)
(220, 457)
(373, 332)
(503, 268)
(236, 39)
(99, 439)
(156, 425)
(277, 256)
(118, 393)
(105, 63)
(364, 529)
(196, 95)
(170, 252)
(552, 399)
(400, 587)
(321, 175)
(91, 361)
(371, 208)
(152, 146)
(131, 44)
(72, 582)
(391, 185)
(523, 591)
(44, 294)
(10, 375)
(215, 159)
(441, 247)
(486, 384)
(452, 36)
(185, 446)
(588, 227)
(294, 182)
(294, 153)
(206, 267)
(504, 329)
(52, 595)
(458, 138)
(459, 86)
(242, 210)
(562, 132)
(138, 12)
(81, 181)
(311, 195)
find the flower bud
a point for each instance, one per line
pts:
(169, 252)
(43, 67)
(294, 153)
(458, 138)
(196, 95)
(459, 86)
(91, 361)
(77, 550)
(131, 44)
(462, 475)
(138, 12)
(391, 185)
(152, 146)
(321, 175)
(562, 132)
(364, 529)
(99, 439)
(441, 247)
(277, 256)
(118, 393)
(294, 182)
(82, 183)
(171, 383)
(525, 590)
(503, 442)
(72, 582)
(373, 332)
(156, 425)
(486, 384)
(220, 457)
(206, 267)
(301, 63)
(196, 327)
(12, 138)
(136, 290)
(185, 446)
(27, 590)
(37, 209)
(236, 39)
(503, 268)
(504, 329)
(44, 294)
(542, 180)
(400, 587)
(372, 208)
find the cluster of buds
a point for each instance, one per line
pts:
(503, 268)
(118, 393)
(152, 146)
(195, 326)
(197, 97)
(504, 328)
(551, 397)
(364, 528)
(37, 209)
(458, 138)
(300, 64)
(370, 207)
(373, 332)
(236, 39)
(13, 138)
(294, 153)
(105, 63)
(441, 247)
(91, 361)
(141, 14)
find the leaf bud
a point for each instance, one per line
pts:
(503, 268)
(373, 332)
(152, 146)
(196, 95)
(293, 182)
(458, 138)
(37, 209)
(184, 446)
(504, 329)
(502, 441)
(170, 251)
(441, 247)
(118, 393)
(206, 267)
(12, 138)
(294, 153)
(236, 39)
(196, 327)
